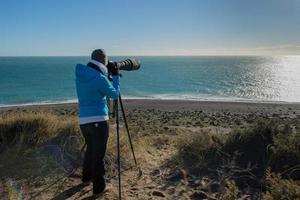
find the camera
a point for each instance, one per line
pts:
(127, 65)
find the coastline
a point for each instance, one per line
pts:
(219, 100)
(175, 105)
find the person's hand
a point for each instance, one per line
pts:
(113, 68)
(115, 71)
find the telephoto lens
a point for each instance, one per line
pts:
(129, 64)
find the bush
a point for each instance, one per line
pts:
(285, 153)
(265, 144)
(197, 150)
(231, 191)
(278, 188)
(252, 145)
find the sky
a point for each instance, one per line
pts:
(149, 27)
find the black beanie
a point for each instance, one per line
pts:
(99, 55)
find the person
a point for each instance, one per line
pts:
(92, 86)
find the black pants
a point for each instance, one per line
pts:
(96, 136)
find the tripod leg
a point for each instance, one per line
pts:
(118, 148)
(126, 125)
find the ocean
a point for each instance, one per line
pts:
(43, 80)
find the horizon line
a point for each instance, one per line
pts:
(166, 55)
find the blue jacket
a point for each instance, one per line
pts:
(92, 87)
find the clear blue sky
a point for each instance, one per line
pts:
(149, 27)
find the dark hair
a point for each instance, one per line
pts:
(99, 55)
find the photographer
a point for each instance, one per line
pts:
(92, 87)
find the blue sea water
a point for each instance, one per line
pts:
(35, 80)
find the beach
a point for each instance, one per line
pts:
(281, 108)
(183, 111)
(156, 126)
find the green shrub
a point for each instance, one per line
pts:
(285, 153)
(196, 150)
(231, 191)
(252, 145)
(265, 144)
(278, 188)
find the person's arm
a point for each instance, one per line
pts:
(108, 89)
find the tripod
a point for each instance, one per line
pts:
(117, 117)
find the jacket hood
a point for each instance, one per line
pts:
(84, 73)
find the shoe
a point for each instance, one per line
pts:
(99, 186)
(101, 193)
(86, 178)
(85, 183)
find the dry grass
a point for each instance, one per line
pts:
(21, 133)
(33, 129)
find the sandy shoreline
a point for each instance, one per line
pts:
(177, 105)
(153, 115)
